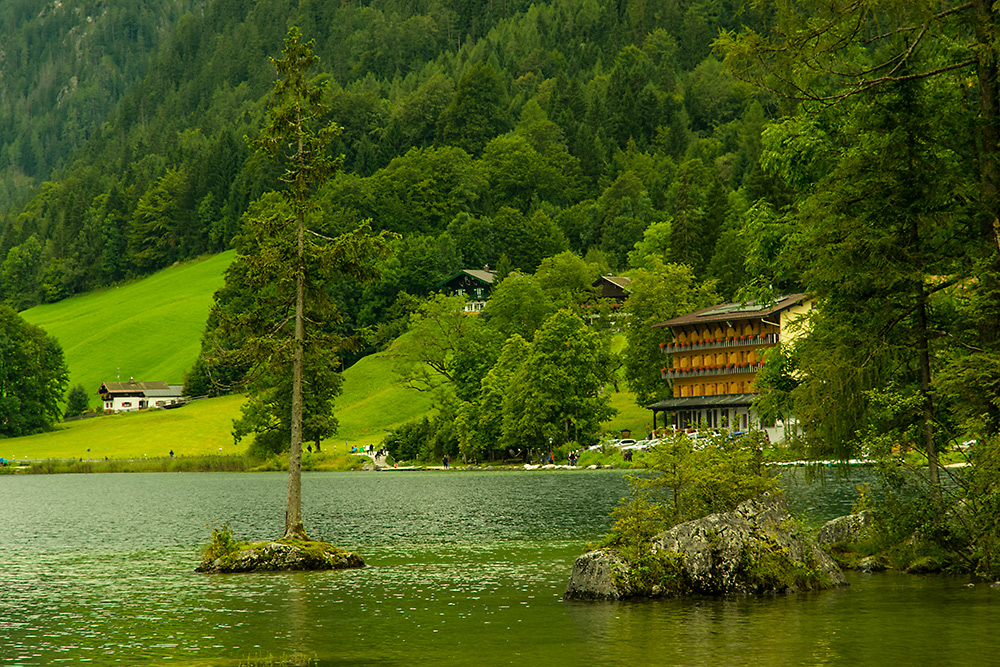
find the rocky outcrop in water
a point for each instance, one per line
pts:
(845, 529)
(283, 555)
(755, 549)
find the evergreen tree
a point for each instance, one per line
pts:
(286, 272)
(77, 401)
(479, 110)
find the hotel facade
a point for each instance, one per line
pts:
(713, 359)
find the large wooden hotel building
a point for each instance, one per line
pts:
(714, 357)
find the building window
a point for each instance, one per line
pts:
(126, 404)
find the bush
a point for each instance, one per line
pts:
(410, 441)
(636, 521)
(713, 474)
(77, 401)
(222, 544)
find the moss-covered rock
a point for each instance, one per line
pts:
(846, 529)
(280, 555)
(755, 549)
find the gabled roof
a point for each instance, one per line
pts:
(724, 312)
(147, 389)
(172, 390)
(119, 387)
(619, 281)
(482, 275)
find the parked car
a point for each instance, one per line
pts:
(642, 445)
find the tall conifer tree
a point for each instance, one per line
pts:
(284, 267)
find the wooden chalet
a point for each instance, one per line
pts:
(132, 395)
(474, 284)
(615, 288)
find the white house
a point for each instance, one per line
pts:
(132, 395)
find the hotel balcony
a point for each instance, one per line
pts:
(704, 371)
(714, 343)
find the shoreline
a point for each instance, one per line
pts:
(350, 463)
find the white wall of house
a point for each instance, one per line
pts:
(129, 403)
(124, 403)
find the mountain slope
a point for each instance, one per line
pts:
(150, 329)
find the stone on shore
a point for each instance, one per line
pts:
(283, 555)
(755, 549)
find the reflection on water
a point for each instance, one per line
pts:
(464, 569)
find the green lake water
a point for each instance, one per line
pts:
(465, 568)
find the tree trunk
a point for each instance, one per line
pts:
(927, 417)
(989, 180)
(294, 527)
(989, 115)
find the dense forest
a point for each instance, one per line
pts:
(65, 66)
(468, 127)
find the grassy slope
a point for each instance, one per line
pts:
(372, 405)
(201, 428)
(150, 330)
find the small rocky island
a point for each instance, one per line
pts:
(755, 549)
(224, 554)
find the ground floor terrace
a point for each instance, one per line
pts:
(733, 411)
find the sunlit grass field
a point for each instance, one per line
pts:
(150, 330)
(197, 429)
(373, 403)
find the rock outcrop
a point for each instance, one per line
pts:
(283, 555)
(755, 549)
(845, 529)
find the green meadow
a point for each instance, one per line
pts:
(199, 428)
(150, 330)
(372, 404)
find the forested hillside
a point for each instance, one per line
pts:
(484, 132)
(64, 65)
(844, 149)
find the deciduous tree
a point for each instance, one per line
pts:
(557, 394)
(656, 294)
(33, 377)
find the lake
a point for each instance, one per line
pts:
(465, 568)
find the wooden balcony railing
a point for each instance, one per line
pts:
(712, 343)
(703, 371)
